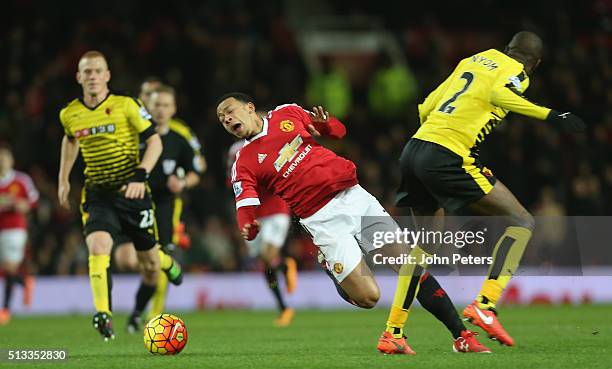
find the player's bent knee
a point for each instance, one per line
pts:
(360, 286)
(126, 265)
(372, 300)
(149, 261)
(529, 221)
(99, 243)
(150, 265)
(525, 220)
(268, 260)
(126, 259)
(367, 299)
(150, 272)
(269, 253)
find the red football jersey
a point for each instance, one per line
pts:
(270, 204)
(15, 185)
(286, 160)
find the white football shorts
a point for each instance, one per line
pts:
(338, 229)
(12, 245)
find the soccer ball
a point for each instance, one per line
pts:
(165, 334)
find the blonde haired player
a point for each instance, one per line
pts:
(107, 129)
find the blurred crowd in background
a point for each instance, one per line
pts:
(205, 49)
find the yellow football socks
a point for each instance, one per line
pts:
(98, 278)
(405, 293)
(506, 258)
(159, 297)
(165, 260)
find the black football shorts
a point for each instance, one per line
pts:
(434, 177)
(110, 211)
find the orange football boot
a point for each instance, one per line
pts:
(285, 318)
(389, 345)
(5, 316)
(467, 342)
(487, 320)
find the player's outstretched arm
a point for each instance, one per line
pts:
(567, 121)
(323, 124)
(507, 97)
(69, 153)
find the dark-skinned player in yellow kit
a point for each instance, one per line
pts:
(441, 170)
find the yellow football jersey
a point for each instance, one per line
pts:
(108, 136)
(479, 93)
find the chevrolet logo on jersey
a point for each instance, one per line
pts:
(288, 152)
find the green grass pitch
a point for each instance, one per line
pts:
(547, 337)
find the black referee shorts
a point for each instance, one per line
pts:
(434, 177)
(109, 211)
